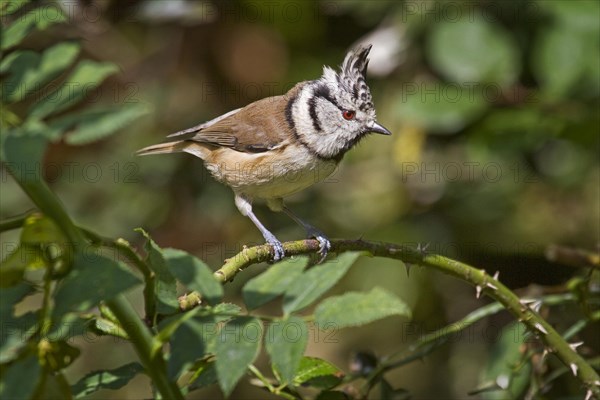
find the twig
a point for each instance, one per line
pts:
(482, 281)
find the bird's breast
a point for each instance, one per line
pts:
(279, 172)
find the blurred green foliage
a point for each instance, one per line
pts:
(494, 106)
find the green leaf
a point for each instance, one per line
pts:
(560, 59)
(20, 379)
(192, 340)
(98, 123)
(194, 274)
(13, 266)
(316, 281)
(39, 229)
(61, 353)
(106, 379)
(273, 282)
(11, 7)
(94, 278)
(354, 309)
(22, 156)
(86, 76)
(103, 326)
(15, 331)
(474, 50)
(332, 395)
(236, 348)
(318, 373)
(440, 107)
(580, 16)
(205, 374)
(508, 367)
(166, 286)
(40, 18)
(28, 71)
(285, 342)
(192, 336)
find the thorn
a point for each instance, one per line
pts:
(496, 275)
(422, 248)
(575, 345)
(478, 291)
(588, 394)
(573, 367)
(545, 354)
(536, 305)
(541, 328)
(491, 286)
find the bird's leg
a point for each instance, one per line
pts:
(311, 231)
(245, 206)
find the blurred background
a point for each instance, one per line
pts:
(494, 108)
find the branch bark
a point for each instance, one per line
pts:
(480, 279)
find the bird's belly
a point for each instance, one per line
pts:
(270, 175)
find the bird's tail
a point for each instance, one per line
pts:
(162, 148)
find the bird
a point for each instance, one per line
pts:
(280, 145)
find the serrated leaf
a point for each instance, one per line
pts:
(94, 278)
(165, 284)
(194, 274)
(106, 379)
(317, 372)
(236, 348)
(273, 282)
(316, 281)
(354, 308)
(28, 71)
(20, 379)
(87, 75)
(285, 341)
(41, 18)
(95, 124)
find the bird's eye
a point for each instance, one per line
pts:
(348, 114)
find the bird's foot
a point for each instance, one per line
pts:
(278, 251)
(324, 243)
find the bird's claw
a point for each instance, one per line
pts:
(324, 243)
(278, 251)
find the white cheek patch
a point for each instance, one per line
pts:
(334, 133)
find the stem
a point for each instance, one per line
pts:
(13, 222)
(143, 342)
(431, 341)
(124, 248)
(482, 281)
(49, 204)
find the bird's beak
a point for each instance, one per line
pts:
(378, 128)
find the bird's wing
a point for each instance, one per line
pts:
(203, 125)
(256, 128)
